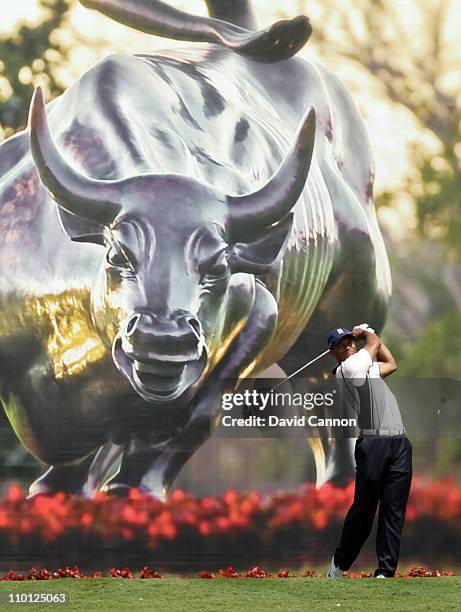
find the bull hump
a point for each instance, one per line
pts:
(12, 151)
(85, 148)
(176, 123)
(148, 114)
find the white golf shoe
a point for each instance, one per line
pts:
(381, 576)
(334, 571)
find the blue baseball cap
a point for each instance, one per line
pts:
(336, 335)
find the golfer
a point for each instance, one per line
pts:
(382, 452)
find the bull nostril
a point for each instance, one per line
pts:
(132, 324)
(196, 327)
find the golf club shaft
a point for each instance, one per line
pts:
(302, 368)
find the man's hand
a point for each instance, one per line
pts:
(358, 332)
(372, 341)
(378, 350)
(365, 327)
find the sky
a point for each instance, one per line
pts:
(390, 128)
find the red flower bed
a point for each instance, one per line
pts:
(257, 572)
(45, 574)
(424, 572)
(229, 572)
(148, 573)
(283, 527)
(254, 572)
(206, 575)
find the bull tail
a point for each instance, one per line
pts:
(278, 42)
(238, 12)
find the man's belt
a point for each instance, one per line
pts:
(382, 432)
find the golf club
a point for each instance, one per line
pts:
(362, 326)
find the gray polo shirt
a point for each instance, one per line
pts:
(368, 395)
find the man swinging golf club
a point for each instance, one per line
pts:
(383, 453)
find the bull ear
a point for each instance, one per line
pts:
(79, 229)
(265, 252)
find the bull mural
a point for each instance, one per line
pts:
(172, 221)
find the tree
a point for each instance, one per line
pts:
(404, 45)
(404, 48)
(27, 58)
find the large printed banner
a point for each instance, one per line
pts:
(180, 230)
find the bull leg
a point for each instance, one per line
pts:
(333, 454)
(333, 459)
(104, 466)
(70, 478)
(279, 42)
(84, 478)
(154, 468)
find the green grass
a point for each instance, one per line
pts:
(171, 594)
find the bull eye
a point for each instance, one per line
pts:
(219, 270)
(117, 259)
(217, 273)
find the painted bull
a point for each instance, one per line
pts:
(170, 222)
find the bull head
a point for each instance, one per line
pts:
(172, 243)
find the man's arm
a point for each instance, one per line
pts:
(356, 366)
(372, 341)
(387, 363)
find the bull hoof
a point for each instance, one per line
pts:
(117, 490)
(69, 479)
(35, 490)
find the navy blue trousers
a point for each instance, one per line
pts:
(383, 476)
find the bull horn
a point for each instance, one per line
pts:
(86, 197)
(274, 201)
